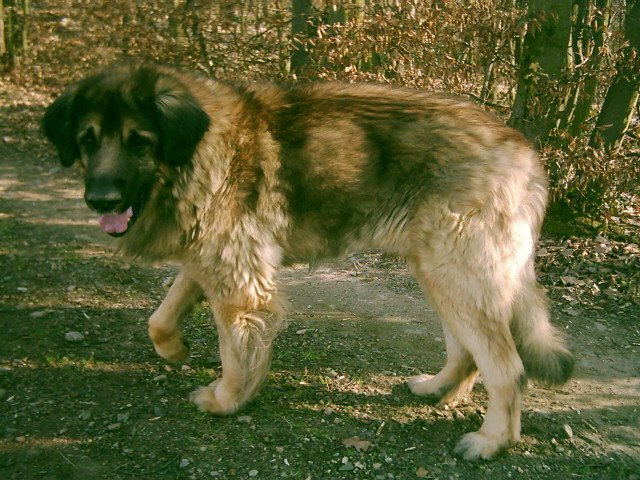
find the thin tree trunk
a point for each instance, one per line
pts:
(587, 96)
(301, 16)
(622, 96)
(3, 46)
(16, 16)
(546, 54)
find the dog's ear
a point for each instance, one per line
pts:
(58, 126)
(182, 121)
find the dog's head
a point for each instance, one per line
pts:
(121, 126)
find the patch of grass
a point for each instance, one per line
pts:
(57, 360)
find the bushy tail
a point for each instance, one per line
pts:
(541, 346)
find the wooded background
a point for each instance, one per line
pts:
(566, 73)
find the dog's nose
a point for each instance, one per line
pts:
(102, 196)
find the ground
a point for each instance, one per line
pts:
(84, 396)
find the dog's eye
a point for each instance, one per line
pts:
(137, 141)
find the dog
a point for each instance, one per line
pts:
(234, 180)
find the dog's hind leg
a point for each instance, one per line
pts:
(471, 271)
(455, 380)
(164, 324)
(485, 336)
(246, 342)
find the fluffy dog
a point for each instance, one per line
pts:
(235, 180)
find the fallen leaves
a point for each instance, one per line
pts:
(591, 271)
(355, 442)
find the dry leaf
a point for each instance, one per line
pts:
(571, 280)
(360, 445)
(422, 472)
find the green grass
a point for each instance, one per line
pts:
(58, 360)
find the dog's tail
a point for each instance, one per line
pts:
(540, 345)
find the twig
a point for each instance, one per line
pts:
(147, 472)
(68, 461)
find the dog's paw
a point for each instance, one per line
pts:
(422, 385)
(213, 399)
(427, 386)
(479, 445)
(174, 350)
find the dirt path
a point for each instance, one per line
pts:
(106, 407)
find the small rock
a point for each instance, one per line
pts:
(244, 419)
(253, 473)
(600, 327)
(347, 467)
(122, 417)
(567, 430)
(21, 439)
(184, 463)
(85, 415)
(160, 378)
(73, 337)
(113, 426)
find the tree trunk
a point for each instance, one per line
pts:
(622, 95)
(587, 96)
(301, 21)
(176, 23)
(581, 47)
(16, 15)
(546, 54)
(3, 46)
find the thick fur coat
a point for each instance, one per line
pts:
(235, 180)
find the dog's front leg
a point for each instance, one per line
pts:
(246, 341)
(164, 324)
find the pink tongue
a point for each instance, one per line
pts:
(115, 222)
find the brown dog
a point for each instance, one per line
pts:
(234, 181)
